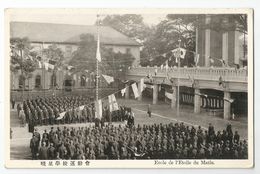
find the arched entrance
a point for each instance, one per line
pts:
(68, 83)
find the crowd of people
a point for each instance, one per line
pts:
(156, 141)
(46, 111)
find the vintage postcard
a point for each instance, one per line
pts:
(129, 88)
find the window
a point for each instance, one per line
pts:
(21, 82)
(53, 80)
(128, 50)
(83, 80)
(38, 81)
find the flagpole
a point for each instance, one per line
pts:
(178, 81)
(97, 107)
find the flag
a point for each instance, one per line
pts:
(223, 62)
(39, 64)
(211, 61)
(110, 103)
(52, 62)
(155, 71)
(179, 52)
(108, 79)
(51, 66)
(115, 105)
(164, 55)
(46, 65)
(123, 91)
(161, 66)
(81, 107)
(183, 53)
(166, 65)
(98, 109)
(61, 115)
(229, 100)
(70, 67)
(168, 95)
(196, 59)
(134, 87)
(98, 56)
(142, 84)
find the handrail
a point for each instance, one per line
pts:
(207, 73)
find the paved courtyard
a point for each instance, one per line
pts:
(161, 113)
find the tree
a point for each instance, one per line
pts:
(132, 25)
(56, 55)
(84, 58)
(165, 38)
(21, 58)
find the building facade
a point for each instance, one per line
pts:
(66, 37)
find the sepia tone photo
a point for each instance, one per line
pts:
(151, 88)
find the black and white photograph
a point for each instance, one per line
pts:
(111, 88)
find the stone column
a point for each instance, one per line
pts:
(227, 105)
(155, 94)
(225, 46)
(174, 97)
(140, 91)
(237, 47)
(207, 42)
(197, 101)
(127, 92)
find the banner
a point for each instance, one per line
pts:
(123, 91)
(168, 95)
(110, 103)
(81, 107)
(179, 52)
(196, 59)
(98, 56)
(115, 105)
(46, 65)
(61, 115)
(142, 84)
(108, 79)
(135, 90)
(39, 64)
(99, 109)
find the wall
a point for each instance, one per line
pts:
(68, 49)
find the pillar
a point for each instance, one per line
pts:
(140, 91)
(225, 46)
(127, 92)
(207, 42)
(174, 97)
(155, 94)
(227, 105)
(236, 49)
(197, 101)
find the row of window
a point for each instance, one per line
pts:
(53, 81)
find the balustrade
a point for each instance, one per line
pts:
(203, 73)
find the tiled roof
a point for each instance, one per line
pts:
(66, 33)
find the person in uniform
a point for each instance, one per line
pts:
(43, 152)
(34, 147)
(149, 111)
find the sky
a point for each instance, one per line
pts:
(74, 18)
